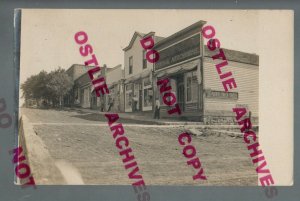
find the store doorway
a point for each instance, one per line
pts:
(180, 92)
(140, 100)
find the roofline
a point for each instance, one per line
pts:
(81, 76)
(86, 73)
(135, 34)
(196, 24)
(254, 61)
(74, 65)
(114, 68)
(151, 33)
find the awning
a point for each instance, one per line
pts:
(142, 75)
(135, 77)
(180, 68)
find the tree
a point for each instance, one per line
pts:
(47, 86)
(59, 84)
(34, 87)
(27, 88)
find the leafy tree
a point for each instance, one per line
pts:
(27, 87)
(59, 84)
(41, 85)
(51, 87)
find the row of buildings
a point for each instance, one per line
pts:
(186, 61)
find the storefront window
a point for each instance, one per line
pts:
(128, 100)
(94, 99)
(128, 96)
(173, 84)
(148, 97)
(191, 87)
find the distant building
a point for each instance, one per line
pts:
(76, 70)
(83, 94)
(98, 102)
(115, 83)
(138, 75)
(82, 91)
(80, 95)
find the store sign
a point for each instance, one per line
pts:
(184, 50)
(221, 94)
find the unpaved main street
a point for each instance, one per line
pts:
(81, 144)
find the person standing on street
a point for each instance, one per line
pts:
(135, 103)
(157, 109)
(111, 103)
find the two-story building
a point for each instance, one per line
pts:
(74, 72)
(138, 75)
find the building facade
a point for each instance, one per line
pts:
(187, 63)
(83, 94)
(138, 75)
(217, 103)
(75, 72)
(82, 91)
(115, 100)
(181, 62)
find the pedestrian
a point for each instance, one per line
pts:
(157, 109)
(111, 103)
(135, 103)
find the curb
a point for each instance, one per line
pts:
(41, 164)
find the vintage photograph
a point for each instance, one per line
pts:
(151, 97)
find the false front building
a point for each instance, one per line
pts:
(83, 94)
(187, 63)
(114, 101)
(138, 75)
(80, 92)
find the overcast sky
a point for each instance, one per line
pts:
(47, 36)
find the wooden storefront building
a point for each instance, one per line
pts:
(187, 63)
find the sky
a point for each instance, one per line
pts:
(47, 35)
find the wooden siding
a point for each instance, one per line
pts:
(246, 78)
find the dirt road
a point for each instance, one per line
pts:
(88, 147)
